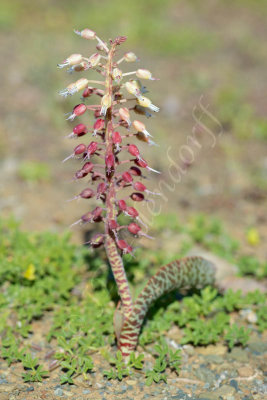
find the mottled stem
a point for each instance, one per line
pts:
(184, 273)
(114, 258)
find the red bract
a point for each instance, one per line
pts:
(92, 148)
(97, 113)
(127, 177)
(77, 111)
(116, 138)
(122, 244)
(87, 193)
(122, 205)
(101, 188)
(77, 151)
(139, 186)
(110, 161)
(135, 171)
(132, 212)
(88, 217)
(128, 250)
(97, 213)
(137, 197)
(88, 167)
(133, 228)
(133, 150)
(98, 125)
(92, 216)
(141, 163)
(87, 92)
(112, 224)
(80, 130)
(80, 174)
(97, 240)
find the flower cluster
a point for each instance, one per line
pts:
(114, 133)
(116, 167)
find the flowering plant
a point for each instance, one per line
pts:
(115, 133)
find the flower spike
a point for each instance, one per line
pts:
(116, 149)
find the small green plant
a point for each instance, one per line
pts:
(249, 265)
(120, 370)
(262, 317)
(36, 371)
(74, 360)
(166, 358)
(10, 349)
(237, 335)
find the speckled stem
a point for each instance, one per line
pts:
(187, 272)
(114, 258)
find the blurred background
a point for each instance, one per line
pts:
(211, 59)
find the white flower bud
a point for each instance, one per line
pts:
(145, 102)
(116, 74)
(94, 60)
(106, 102)
(71, 60)
(132, 89)
(81, 84)
(139, 86)
(86, 34)
(125, 115)
(68, 91)
(130, 57)
(74, 87)
(140, 127)
(144, 74)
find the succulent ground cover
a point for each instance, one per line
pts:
(58, 300)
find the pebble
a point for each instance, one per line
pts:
(245, 371)
(30, 389)
(189, 349)
(234, 383)
(214, 359)
(263, 366)
(181, 395)
(218, 350)
(204, 374)
(258, 347)
(5, 388)
(86, 391)
(238, 355)
(224, 392)
(251, 317)
(130, 382)
(58, 392)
